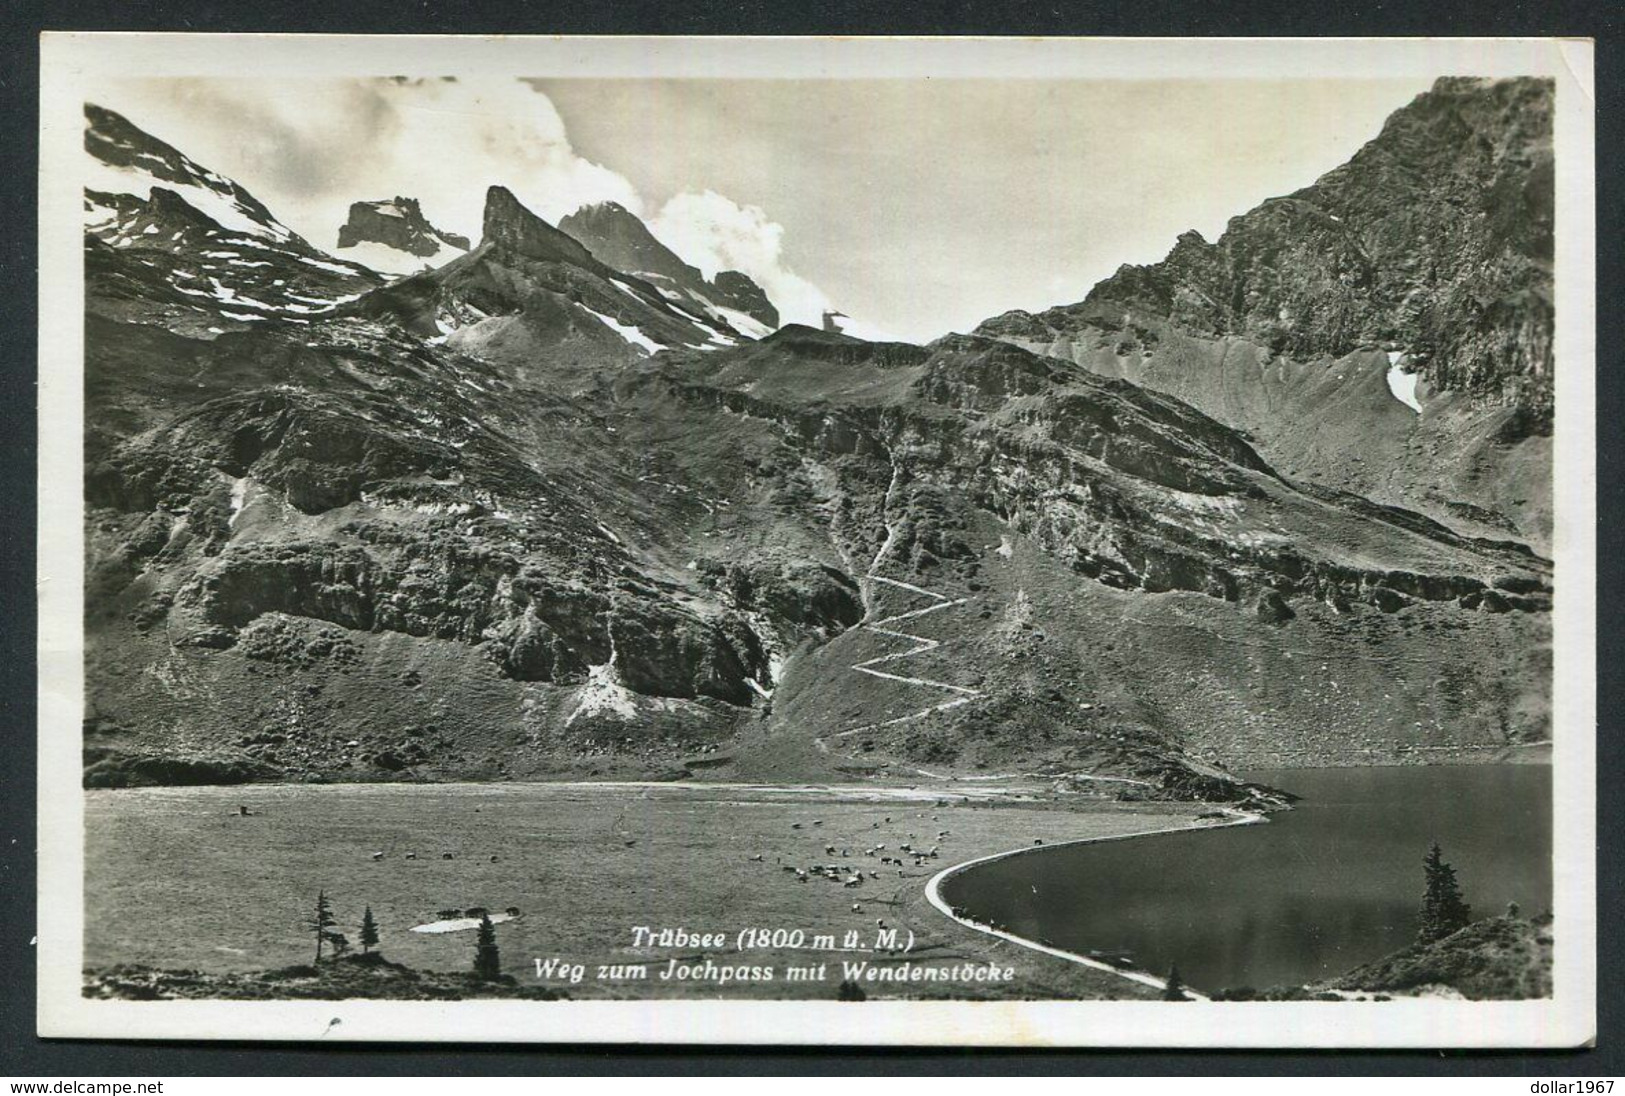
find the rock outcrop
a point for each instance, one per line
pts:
(398, 223)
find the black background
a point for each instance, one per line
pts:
(23, 1055)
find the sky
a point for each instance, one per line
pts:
(917, 206)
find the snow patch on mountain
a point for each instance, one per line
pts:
(220, 208)
(1401, 383)
(628, 332)
(383, 259)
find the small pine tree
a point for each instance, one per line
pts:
(487, 959)
(321, 922)
(1443, 911)
(369, 932)
(850, 991)
(1174, 989)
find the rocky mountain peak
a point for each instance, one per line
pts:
(398, 223)
(128, 160)
(1434, 237)
(191, 248)
(752, 299)
(1422, 264)
(508, 224)
(618, 237)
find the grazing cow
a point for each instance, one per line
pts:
(857, 907)
(829, 850)
(818, 821)
(411, 856)
(377, 856)
(493, 860)
(795, 825)
(757, 857)
(445, 856)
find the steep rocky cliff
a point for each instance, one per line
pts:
(1387, 329)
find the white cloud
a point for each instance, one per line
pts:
(499, 133)
(716, 233)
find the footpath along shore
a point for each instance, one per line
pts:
(933, 894)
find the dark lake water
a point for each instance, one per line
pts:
(1319, 889)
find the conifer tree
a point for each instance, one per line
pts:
(1443, 911)
(1174, 990)
(369, 931)
(321, 922)
(487, 959)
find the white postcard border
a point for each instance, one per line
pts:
(70, 60)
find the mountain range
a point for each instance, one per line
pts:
(559, 505)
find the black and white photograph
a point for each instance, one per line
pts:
(881, 541)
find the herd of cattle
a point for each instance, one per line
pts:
(852, 876)
(472, 911)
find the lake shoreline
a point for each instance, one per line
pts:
(933, 894)
(1329, 886)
